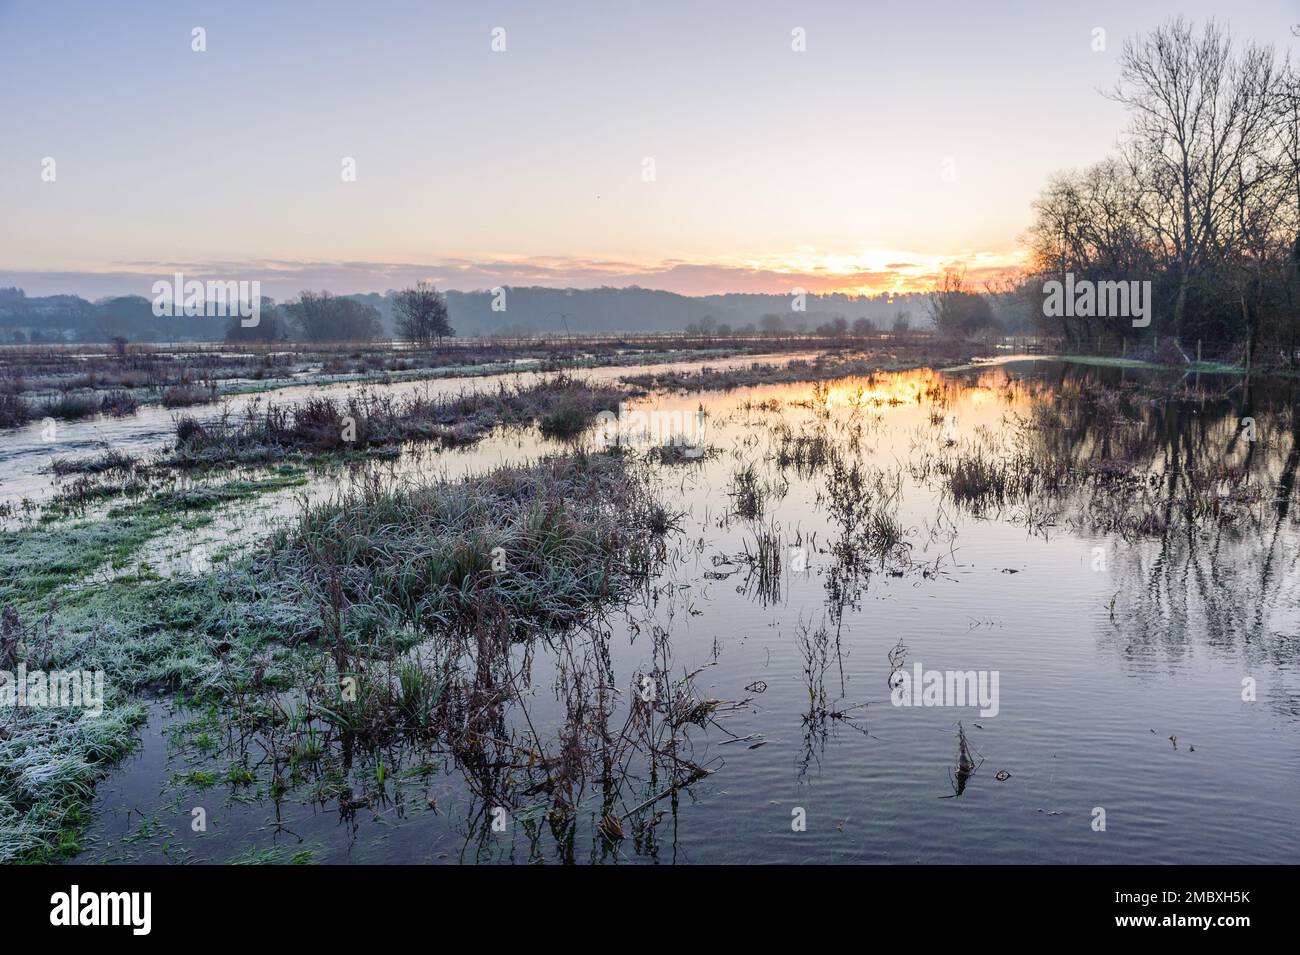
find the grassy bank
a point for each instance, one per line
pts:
(347, 590)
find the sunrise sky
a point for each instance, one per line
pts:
(772, 168)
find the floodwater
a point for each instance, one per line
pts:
(1143, 700)
(28, 451)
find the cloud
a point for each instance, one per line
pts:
(283, 279)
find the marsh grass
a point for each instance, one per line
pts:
(980, 480)
(602, 765)
(13, 410)
(546, 543)
(763, 563)
(747, 492)
(108, 461)
(144, 633)
(119, 403)
(806, 453)
(678, 453)
(396, 593)
(572, 412)
(318, 426)
(49, 764)
(187, 395)
(69, 406)
(750, 491)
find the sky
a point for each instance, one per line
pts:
(683, 146)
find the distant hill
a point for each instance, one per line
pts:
(547, 310)
(527, 311)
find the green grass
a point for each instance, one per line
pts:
(275, 855)
(49, 765)
(141, 632)
(38, 560)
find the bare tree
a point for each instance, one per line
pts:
(1093, 223)
(1198, 107)
(956, 310)
(321, 316)
(422, 314)
(1203, 199)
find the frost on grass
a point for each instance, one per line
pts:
(353, 584)
(543, 543)
(50, 761)
(424, 602)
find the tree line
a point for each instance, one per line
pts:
(1201, 199)
(530, 311)
(774, 324)
(420, 316)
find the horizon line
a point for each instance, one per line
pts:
(894, 274)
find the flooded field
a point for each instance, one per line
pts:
(29, 450)
(1019, 612)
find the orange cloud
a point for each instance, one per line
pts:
(867, 273)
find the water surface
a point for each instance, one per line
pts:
(1120, 654)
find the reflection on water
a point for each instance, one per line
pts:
(1120, 549)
